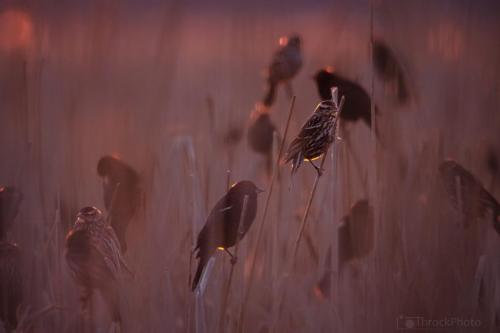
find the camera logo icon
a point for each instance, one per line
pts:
(408, 322)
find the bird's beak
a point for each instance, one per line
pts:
(259, 191)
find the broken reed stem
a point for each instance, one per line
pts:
(228, 284)
(313, 191)
(261, 225)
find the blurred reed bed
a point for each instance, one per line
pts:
(136, 83)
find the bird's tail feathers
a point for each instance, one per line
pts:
(203, 260)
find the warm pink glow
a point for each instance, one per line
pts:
(446, 40)
(16, 30)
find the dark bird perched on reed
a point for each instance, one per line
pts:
(260, 135)
(221, 227)
(11, 291)
(356, 233)
(95, 260)
(315, 136)
(122, 194)
(10, 199)
(285, 64)
(468, 195)
(388, 68)
(358, 102)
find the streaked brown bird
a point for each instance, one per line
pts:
(388, 68)
(11, 291)
(315, 136)
(356, 233)
(468, 195)
(285, 64)
(10, 199)
(358, 102)
(94, 258)
(221, 227)
(122, 194)
(260, 135)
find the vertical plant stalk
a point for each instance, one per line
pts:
(186, 143)
(263, 219)
(316, 181)
(208, 169)
(233, 263)
(223, 266)
(275, 227)
(291, 263)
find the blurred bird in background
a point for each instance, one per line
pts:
(95, 260)
(11, 291)
(10, 199)
(122, 194)
(468, 195)
(260, 135)
(356, 233)
(315, 136)
(358, 102)
(11, 279)
(492, 165)
(285, 64)
(388, 68)
(222, 225)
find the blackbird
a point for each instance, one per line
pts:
(285, 64)
(388, 68)
(122, 194)
(261, 135)
(468, 195)
(358, 102)
(222, 225)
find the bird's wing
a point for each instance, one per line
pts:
(225, 209)
(108, 248)
(212, 232)
(86, 259)
(308, 130)
(312, 127)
